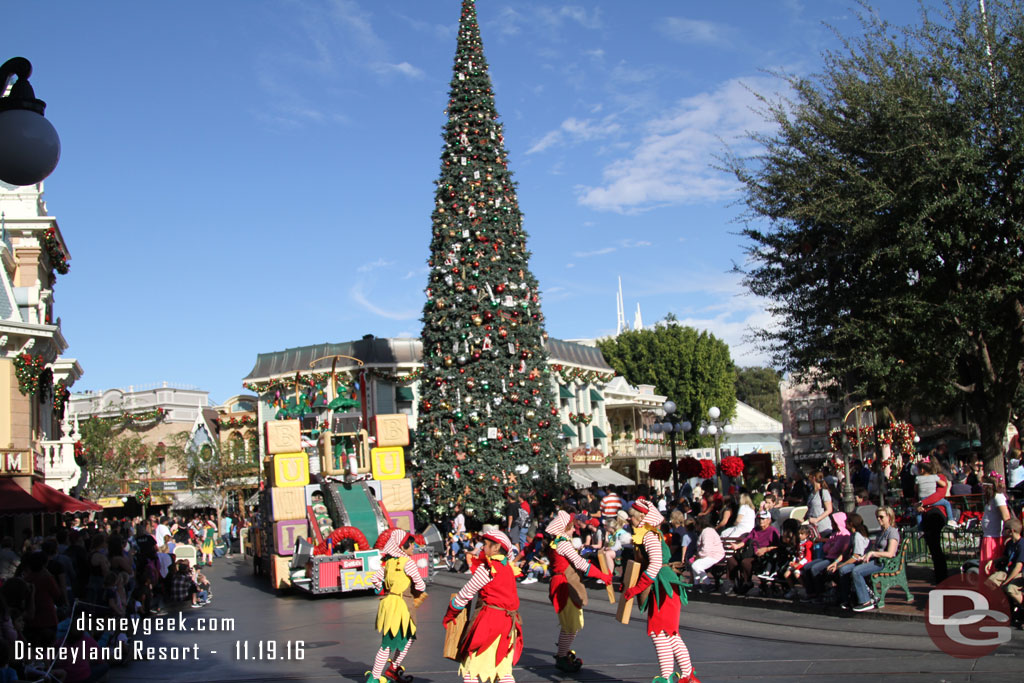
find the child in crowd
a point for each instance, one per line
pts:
(803, 555)
(536, 569)
(929, 482)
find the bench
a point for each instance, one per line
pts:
(894, 573)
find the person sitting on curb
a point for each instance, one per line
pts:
(1010, 578)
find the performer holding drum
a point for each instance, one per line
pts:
(493, 641)
(666, 597)
(397, 580)
(566, 592)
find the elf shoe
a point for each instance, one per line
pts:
(692, 678)
(569, 664)
(396, 674)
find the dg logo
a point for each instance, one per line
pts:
(968, 619)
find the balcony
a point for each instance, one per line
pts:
(61, 470)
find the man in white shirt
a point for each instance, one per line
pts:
(162, 532)
(225, 531)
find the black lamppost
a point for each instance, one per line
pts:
(716, 429)
(29, 146)
(673, 424)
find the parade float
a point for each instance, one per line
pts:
(333, 486)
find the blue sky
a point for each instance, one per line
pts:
(241, 177)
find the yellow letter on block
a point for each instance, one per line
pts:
(388, 463)
(291, 469)
(392, 430)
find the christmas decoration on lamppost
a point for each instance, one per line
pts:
(715, 429)
(29, 145)
(672, 425)
(849, 502)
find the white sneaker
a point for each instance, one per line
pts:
(529, 579)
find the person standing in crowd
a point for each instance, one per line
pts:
(493, 643)
(226, 525)
(209, 533)
(819, 505)
(397, 576)
(610, 505)
(9, 559)
(1014, 470)
(566, 592)
(996, 513)
(666, 597)
(525, 514)
(512, 517)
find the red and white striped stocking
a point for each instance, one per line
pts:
(401, 655)
(380, 661)
(682, 656)
(507, 679)
(666, 658)
(564, 643)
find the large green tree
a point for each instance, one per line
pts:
(487, 407)
(692, 368)
(886, 216)
(759, 388)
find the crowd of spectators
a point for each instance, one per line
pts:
(107, 568)
(734, 541)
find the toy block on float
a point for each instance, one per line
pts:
(289, 469)
(396, 494)
(337, 449)
(391, 430)
(388, 463)
(403, 520)
(283, 436)
(280, 571)
(286, 532)
(287, 502)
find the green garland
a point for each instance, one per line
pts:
(236, 423)
(577, 418)
(28, 369)
(393, 378)
(61, 394)
(317, 381)
(587, 376)
(56, 254)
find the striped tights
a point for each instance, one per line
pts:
(380, 661)
(397, 659)
(503, 679)
(672, 649)
(564, 643)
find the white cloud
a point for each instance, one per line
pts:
(404, 68)
(359, 296)
(672, 164)
(576, 130)
(379, 263)
(596, 252)
(694, 31)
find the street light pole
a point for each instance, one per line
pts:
(712, 429)
(672, 425)
(849, 503)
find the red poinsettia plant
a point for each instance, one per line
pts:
(689, 467)
(732, 466)
(707, 469)
(660, 470)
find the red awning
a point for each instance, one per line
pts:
(15, 500)
(56, 501)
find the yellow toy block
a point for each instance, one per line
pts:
(388, 463)
(283, 436)
(290, 469)
(391, 430)
(287, 503)
(280, 574)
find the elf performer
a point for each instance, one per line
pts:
(494, 640)
(397, 579)
(666, 597)
(563, 558)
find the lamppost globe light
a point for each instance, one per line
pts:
(29, 145)
(714, 413)
(686, 426)
(703, 430)
(656, 428)
(727, 429)
(712, 430)
(669, 407)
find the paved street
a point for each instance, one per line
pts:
(727, 642)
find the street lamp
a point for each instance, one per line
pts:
(849, 503)
(143, 471)
(29, 146)
(673, 424)
(713, 428)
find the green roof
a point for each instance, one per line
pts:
(568, 431)
(404, 394)
(594, 396)
(598, 434)
(563, 392)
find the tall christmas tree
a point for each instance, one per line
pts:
(488, 413)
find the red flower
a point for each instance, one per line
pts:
(732, 466)
(707, 469)
(689, 467)
(660, 470)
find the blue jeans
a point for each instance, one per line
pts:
(856, 574)
(812, 575)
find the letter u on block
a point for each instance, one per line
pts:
(388, 463)
(291, 469)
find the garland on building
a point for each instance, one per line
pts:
(580, 418)
(900, 435)
(144, 495)
(658, 442)
(56, 254)
(318, 381)
(236, 423)
(393, 378)
(866, 437)
(61, 394)
(586, 376)
(28, 369)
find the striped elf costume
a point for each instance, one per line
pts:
(494, 640)
(397, 579)
(563, 558)
(666, 598)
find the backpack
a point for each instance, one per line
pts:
(523, 519)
